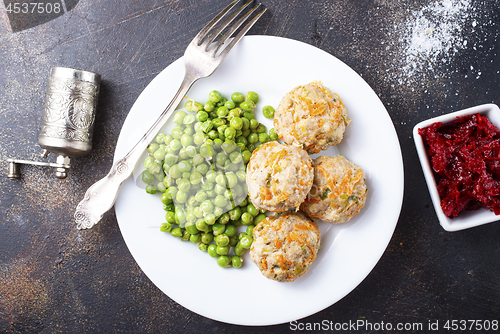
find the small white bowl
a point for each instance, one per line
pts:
(468, 218)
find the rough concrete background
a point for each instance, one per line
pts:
(56, 279)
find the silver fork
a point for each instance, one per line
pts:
(202, 57)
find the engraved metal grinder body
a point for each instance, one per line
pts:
(68, 119)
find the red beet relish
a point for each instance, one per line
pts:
(465, 157)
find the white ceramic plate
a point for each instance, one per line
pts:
(270, 66)
(466, 219)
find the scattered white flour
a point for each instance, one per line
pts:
(432, 36)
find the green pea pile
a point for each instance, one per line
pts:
(200, 171)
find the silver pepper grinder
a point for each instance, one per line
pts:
(68, 119)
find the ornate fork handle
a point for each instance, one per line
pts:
(101, 196)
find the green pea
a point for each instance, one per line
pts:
(236, 261)
(169, 206)
(166, 199)
(198, 159)
(220, 179)
(252, 96)
(186, 140)
(268, 112)
(231, 179)
(246, 156)
(246, 218)
(237, 97)
(209, 106)
(246, 241)
(183, 154)
(207, 238)
(172, 192)
(224, 261)
(230, 133)
(207, 126)
(203, 247)
(235, 112)
(212, 250)
(224, 218)
(152, 148)
(235, 157)
(188, 120)
(222, 240)
(170, 159)
(202, 168)
(261, 128)
(174, 172)
(249, 230)
(190, 151)
(218, 228)
(246, 124)
(147, 177)
(220, 159)
(220, 201)
(198, 212)
(195, 178)
(230, 230)
(273, 135)
(181, 197)
(175, 145)
(249, 115)
(211, 175)
(253, 138)
(214, 96)
(264, 137)
(223, 250)
(210, 219)
(185, 236)
(202, 116)
(191, 228)
(230, 104)
(160, 137)
(213, 134)
(151, 189)
(222, 111)
(254, 124)
(218, 143)
(238, 250)
(184, 166)
(201, 225)
(248, 106)
(260, 217)
(207, 151)
(229, 146)
(207, 206)
(219, 189)
(235, 213)
(166, 227)
(176, 232)
(242, 140)
(199, 138)
(252, 210)
(216, 122)
(193, 106)
(236, 123)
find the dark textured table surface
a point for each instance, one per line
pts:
(422, 58)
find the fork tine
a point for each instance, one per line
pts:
(224, 25)
(203, 32)
(242, 32)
